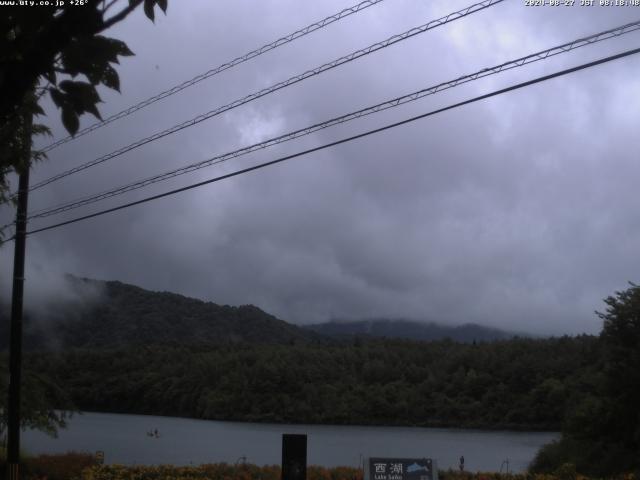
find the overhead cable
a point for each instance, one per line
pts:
(344, 140)
(219, 69)
(534, 57)
(278, 86)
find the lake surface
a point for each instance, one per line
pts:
(124, 440)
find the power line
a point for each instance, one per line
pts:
(541, 55)
(293, 80)
(345, 140)
(219, 69)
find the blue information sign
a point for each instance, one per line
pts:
(401, 469)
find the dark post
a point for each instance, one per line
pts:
(294, 457)
(15, 346)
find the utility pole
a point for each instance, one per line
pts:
(15, 346)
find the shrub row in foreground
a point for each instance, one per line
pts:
(222, 471)
(84, 466)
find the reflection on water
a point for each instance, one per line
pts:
(140, 439)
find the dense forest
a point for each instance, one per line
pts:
(516, 384)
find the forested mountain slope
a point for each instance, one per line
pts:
(117, 314)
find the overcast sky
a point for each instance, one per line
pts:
(519, 212)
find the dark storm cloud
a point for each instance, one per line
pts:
(517, 212)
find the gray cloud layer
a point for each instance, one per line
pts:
(519, 212)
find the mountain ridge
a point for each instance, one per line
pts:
(88, 313)
(410, 330)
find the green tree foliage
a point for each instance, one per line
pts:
(380, 382)
(621, 338)
(601, 434)
(59, 51)
(39, 394)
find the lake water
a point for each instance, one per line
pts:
(124, 440)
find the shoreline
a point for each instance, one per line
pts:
(470, 427)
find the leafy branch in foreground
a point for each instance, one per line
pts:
(58, 51)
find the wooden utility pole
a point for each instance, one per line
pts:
(15, 346)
